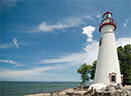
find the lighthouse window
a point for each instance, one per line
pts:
(107, 16)
(113, 78)
(100, 41)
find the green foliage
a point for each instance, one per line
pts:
(92, 70)
(84, 71)
(124, 55)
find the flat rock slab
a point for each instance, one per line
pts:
(39, 94)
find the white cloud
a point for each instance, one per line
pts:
(126, 21)
(6, 45)
(88, 30)
(11, 62)
(15, 42)
(92, 52)
(123, 41)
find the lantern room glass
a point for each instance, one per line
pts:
(107, 16)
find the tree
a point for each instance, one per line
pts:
(124, 55)
(84, 71)
(93, 69)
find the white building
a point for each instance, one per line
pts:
(108, 68)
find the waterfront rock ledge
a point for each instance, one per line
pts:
(110, 90)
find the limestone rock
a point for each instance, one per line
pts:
(117, 93)
(126, 93)
(103, 89)
(110, 88)
(118, 87)
(129, 90)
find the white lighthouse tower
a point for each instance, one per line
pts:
(108, 68)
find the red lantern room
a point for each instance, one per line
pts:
(107, 20)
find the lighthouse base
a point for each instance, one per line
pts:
(97, 86)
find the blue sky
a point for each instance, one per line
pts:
(49, 40)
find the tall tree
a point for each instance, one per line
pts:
(93, 69)
(84, 71)
(124, 55)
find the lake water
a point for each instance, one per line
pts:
(23, 88)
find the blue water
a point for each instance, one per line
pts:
(23, 88)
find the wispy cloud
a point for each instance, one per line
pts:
(89, 17)
(65, 23)
(7, 3)
(74, 58)
(126, 21)
(46, 28)
(11, 62)
(99, 17)
(15, 42)
(72, 21)
(36, 71)
(6, 45)
(61, 24)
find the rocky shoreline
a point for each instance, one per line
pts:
(110, 90)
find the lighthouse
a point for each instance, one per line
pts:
(108, 68)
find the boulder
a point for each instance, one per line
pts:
(117, 93)
(129, 90)
(118, 87)
(110, 88)
(125, 93)
(103, 89)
